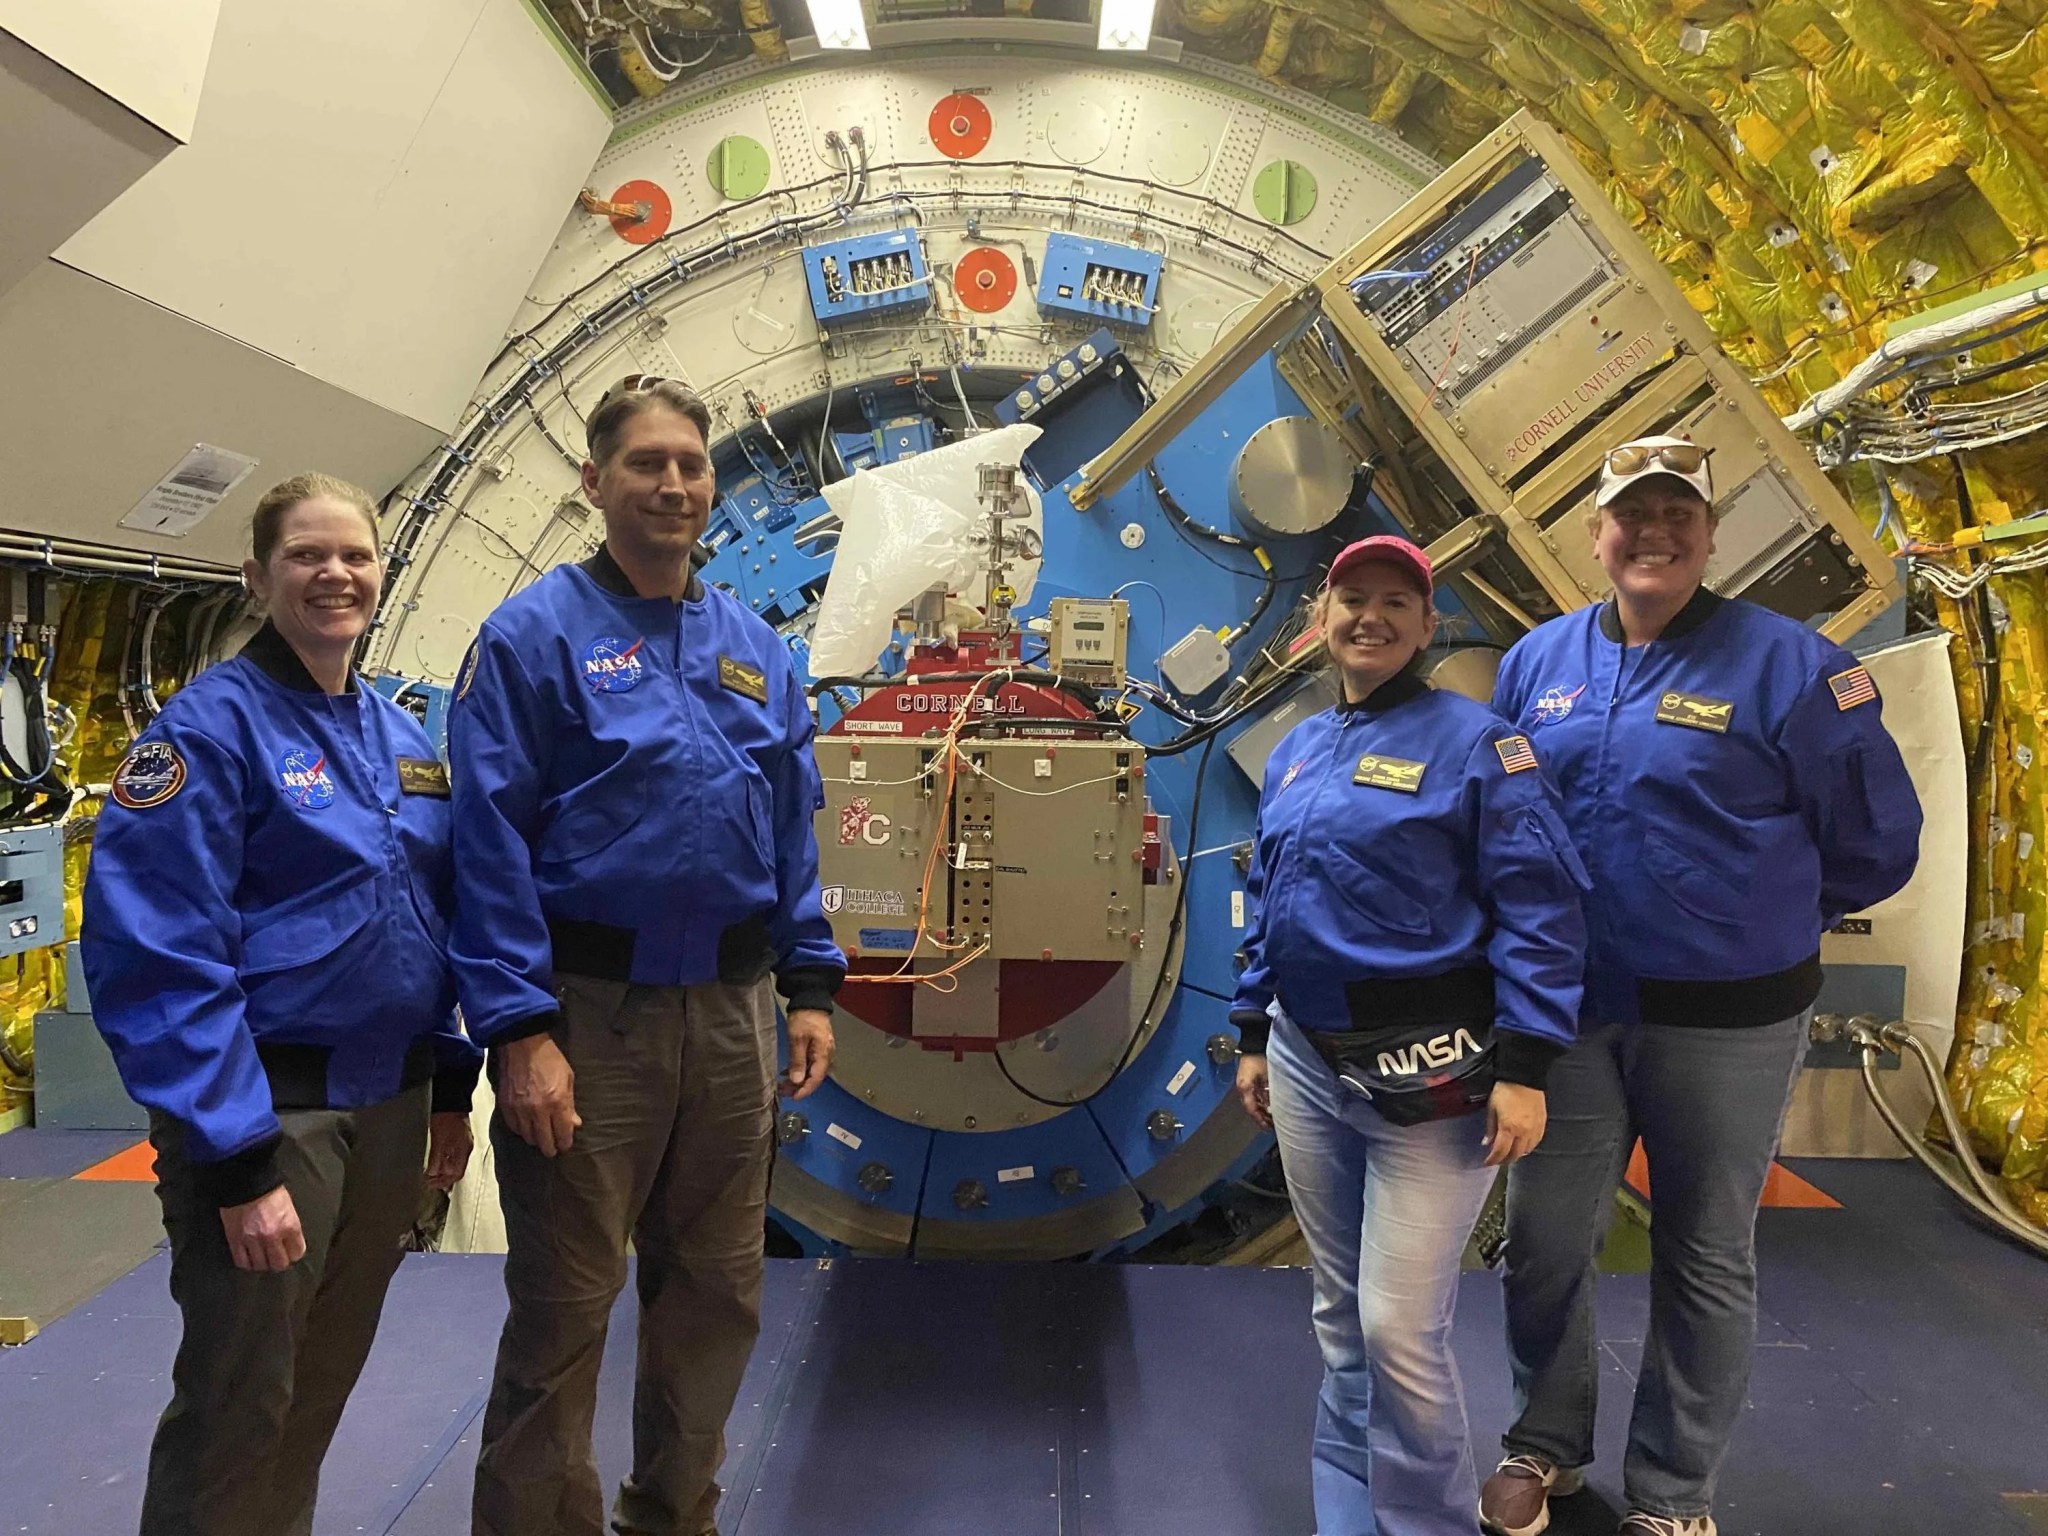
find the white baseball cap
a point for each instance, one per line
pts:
(1647, 456)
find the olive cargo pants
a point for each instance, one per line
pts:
(676, 1087)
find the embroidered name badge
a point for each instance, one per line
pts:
(1515, 755)
(1389, 773)
(740, 678)
(1554, 705)
(148, 776)
(1852, 687)
(303, 773)
(423, 776)
(1695, 711)
(612, 665)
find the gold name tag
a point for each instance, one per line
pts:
(1701, 714)
(1389, 773)
(743, 679)
(423, 776)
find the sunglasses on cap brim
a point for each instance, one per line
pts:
(1679, 458)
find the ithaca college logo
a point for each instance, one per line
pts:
(303, 773)
(1555, 705)
(1440, 1052)
(612, 665)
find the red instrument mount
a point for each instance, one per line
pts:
(960, 126)
(985, 280)
(1032, 994)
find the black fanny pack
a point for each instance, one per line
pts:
(1422, 1048)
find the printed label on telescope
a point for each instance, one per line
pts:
(873, 727)
(1015, 1175)
(196, 484)
(1237, 909)
(1179, 1080)
(842, 1135)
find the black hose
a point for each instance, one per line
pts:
(1980, 750)
(1173, 927)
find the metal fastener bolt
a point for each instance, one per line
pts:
(791, 1127)
(1222, 1049)
(1162, 1124)
(969, 1195)
(1067, 1180)
(876, 1178)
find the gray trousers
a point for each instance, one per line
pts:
(676, 1087)
(267, 1361)
(1708, 1105)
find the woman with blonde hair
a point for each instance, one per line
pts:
(265, 932)
(1413, 968)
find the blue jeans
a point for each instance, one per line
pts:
(1708, 1105)
(1386, 1210)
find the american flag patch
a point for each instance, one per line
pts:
(1515, 755)
(1852, 687)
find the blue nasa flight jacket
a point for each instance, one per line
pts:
(1410, 855)
(1732, 790)
(634, 790)
(266, 912)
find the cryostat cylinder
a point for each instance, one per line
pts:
(1292, 477)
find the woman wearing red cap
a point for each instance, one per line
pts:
(1413, 966)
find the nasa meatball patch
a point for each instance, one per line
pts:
(612, 665)
(302, 773)
(149, 775)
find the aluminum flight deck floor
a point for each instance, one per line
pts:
(1900, 1388)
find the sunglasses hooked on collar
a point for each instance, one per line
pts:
(1679, 458)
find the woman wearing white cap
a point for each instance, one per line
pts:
(1414, 954)
(1733, 792)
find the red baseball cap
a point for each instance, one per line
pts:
(1386, 547)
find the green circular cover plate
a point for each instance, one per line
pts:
(1284, 192)
(738, 168)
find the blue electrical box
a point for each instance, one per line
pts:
(857, 450)
(867, 277)
(1066, 373)
(31, 888)
(754, 554)
(904, 437)
(1099, 280)
(889, 439)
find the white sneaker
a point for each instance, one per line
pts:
(1640, 1524)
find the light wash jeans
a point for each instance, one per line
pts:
(1708, 1104)
(1386, 1210)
